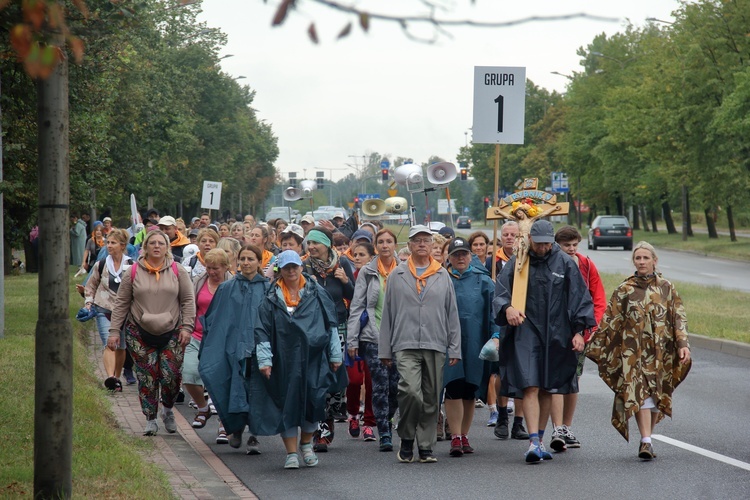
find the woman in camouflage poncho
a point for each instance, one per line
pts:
(642, 348)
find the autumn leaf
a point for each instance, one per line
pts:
(364, 20)
(76, 46)
(281, 12)
(20, 39)
(56, 15)
(33, 12)
(49, 55)
(82, 7)
(312, 33)
(345, 32)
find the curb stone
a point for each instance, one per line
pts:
(194, 471)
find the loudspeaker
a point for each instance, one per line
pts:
(373, 207)
(441, 173)
(396, 205)
(307, 188)
(292, 194)
(408, 173)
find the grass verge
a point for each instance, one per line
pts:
(711, 311)
(107, 463)
(698, 243)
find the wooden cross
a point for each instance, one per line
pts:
(544, 204)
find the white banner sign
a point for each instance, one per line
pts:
(443, 207)
(211, 195)
(499, 105)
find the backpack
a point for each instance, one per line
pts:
(134, 268)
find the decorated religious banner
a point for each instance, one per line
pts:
(525, 206)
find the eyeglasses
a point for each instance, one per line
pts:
(420, 241)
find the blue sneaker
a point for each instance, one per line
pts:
(545, 454)
(533, 454)
(386, 443)
(493, 419)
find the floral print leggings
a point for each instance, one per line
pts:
(155, 369)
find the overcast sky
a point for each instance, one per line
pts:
(381, 92)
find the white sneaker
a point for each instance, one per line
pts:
(167, 416)
(511, 405)
(151, 428)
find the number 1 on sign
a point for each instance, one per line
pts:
(500, 101)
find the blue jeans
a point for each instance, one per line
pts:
(102, 324)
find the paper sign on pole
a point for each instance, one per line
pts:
(211, 198)
(499, 105)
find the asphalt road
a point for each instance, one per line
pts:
(678, 266)
(675, 266)
(702, 453)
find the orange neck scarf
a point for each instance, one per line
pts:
(500, 255)
(151, 269)
(386, 272)
(267, 256)
(288, 295)
(433, 268)
(200, 259)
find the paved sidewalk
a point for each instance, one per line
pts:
(194, 471)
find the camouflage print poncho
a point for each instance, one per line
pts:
(637, 346)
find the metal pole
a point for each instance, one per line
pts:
(53, 387)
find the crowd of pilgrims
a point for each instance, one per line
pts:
(272, 328)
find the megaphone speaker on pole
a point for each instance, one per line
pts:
(396, 205)
(292, 194)
(373, 207)
(441, 173)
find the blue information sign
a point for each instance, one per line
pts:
(368, 196)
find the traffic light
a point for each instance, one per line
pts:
(356, 203)
(319, 183)
(464, 174)
(486, 202)
(384, 172)
(293, 182)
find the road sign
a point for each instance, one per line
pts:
(385, 164)
(499, 105)
(560, 182)
(392, 192)
(368, 196)
(442, 206)
(211, 198)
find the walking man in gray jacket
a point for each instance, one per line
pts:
(419, 327)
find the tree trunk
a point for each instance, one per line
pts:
(619, 205)
(652, 212)
(53, 390)
(710, 224)
(689, 218)
(636, 222)
(642, 209)
(730, 220)
(668, 221)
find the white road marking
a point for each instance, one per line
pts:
(702, 451)
(709, 275)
